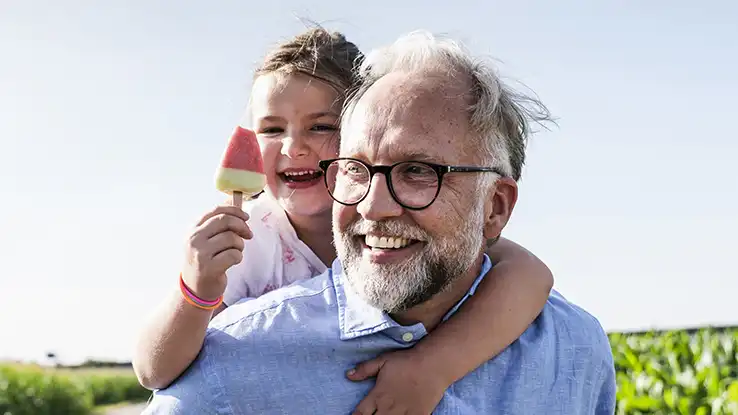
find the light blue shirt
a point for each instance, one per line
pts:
(287, 352)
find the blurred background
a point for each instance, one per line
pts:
(113, 116)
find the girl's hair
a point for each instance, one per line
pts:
(317, 53)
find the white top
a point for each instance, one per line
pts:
(273, 258)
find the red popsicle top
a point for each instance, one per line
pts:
(243, 152)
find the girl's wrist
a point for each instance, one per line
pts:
(195, 300)
(434, 361)
(207, 289)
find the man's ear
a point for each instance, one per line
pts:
(499, 206)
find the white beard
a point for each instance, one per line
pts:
(398, 287)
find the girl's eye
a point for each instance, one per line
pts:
(324, 127)
(271, 130)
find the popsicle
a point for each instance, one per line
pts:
(241, 170)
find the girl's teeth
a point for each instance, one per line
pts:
(298, 173)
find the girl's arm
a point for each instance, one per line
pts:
(174, 335)
(170, 342)
(506, 302)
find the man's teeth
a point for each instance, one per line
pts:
(386, 242)
(299, 173)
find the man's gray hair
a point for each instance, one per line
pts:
(499, 116)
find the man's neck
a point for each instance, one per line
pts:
(315, 232)
(431, 312)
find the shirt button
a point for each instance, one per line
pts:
(408, 337)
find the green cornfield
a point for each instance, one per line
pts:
(33, 390)
(675, 372)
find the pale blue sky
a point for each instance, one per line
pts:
(113, 116)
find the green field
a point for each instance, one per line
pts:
(34, 390)
(682, 372)
(676, 372)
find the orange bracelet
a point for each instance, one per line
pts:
(196, 301)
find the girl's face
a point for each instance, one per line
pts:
(296, 121)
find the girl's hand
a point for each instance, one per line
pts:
(215, 245)
(405, 385)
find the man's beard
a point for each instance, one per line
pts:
(398, 287)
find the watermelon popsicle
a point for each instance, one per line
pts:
(241, 170)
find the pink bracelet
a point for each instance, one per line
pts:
(195, 300)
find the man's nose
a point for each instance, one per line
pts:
(294, 146)
(378, 203)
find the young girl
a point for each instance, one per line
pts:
(294, 108)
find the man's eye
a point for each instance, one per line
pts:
(414, 170)
(417, 171)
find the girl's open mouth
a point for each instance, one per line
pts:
(301, 175)
(301, 179)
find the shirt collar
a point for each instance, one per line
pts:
(357, 318)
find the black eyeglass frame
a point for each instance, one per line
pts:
(440, 169)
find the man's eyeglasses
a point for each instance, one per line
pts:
(413, 185)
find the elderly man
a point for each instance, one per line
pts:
(432, 143)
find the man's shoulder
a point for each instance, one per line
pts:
(557, 366)
(314, 296)
(572, 327)
(579, 344)
(574, 317)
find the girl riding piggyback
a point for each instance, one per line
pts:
(284, 236)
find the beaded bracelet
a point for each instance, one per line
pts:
(196, 301)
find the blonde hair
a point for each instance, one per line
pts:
(318, 53)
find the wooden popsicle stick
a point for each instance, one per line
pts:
(237, 199)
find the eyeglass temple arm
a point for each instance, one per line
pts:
(472, 169)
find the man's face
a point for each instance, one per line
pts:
(394, 257)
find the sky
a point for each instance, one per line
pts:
(113, 117)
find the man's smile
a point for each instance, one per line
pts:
(382, 249)
(386, 242)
